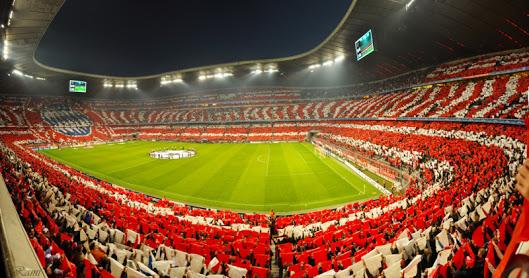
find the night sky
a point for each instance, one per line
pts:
(135, 38)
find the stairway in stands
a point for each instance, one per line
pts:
(275, 268)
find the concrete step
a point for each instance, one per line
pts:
(275, 267)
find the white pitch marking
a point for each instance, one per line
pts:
(268, 162)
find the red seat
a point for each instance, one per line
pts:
(326, 266)
(313, 271)
(260, 249)
(347, 262)
(223, 258)
(259, 272)
(298, 274)
(261, 260)
(304, 257)
(285, 247)
(319, 256)
(244, 253)
(295, 268)
(287, 259)
(344, 256)
(358, 255)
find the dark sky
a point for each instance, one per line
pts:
(135, 38)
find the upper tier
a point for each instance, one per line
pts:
(502, 96)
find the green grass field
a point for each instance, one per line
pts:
(286, 177)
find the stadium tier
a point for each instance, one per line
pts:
(499, 97)
(445, 100)
(450, 148)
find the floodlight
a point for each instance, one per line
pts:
(409, 4)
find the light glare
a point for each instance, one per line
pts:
(5, 51)
(339, 58)
(409, 4)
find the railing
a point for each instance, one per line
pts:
(249, 122)
(399, 177)
(519, 122)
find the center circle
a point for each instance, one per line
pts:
(172, 154)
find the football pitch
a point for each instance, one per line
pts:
(286, 177)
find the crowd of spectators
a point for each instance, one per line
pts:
(455, 218)
(342, 239)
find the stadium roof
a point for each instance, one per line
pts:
(409, 34)
(144, 39)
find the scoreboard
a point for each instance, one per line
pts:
(77, 86)
(364, 45)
